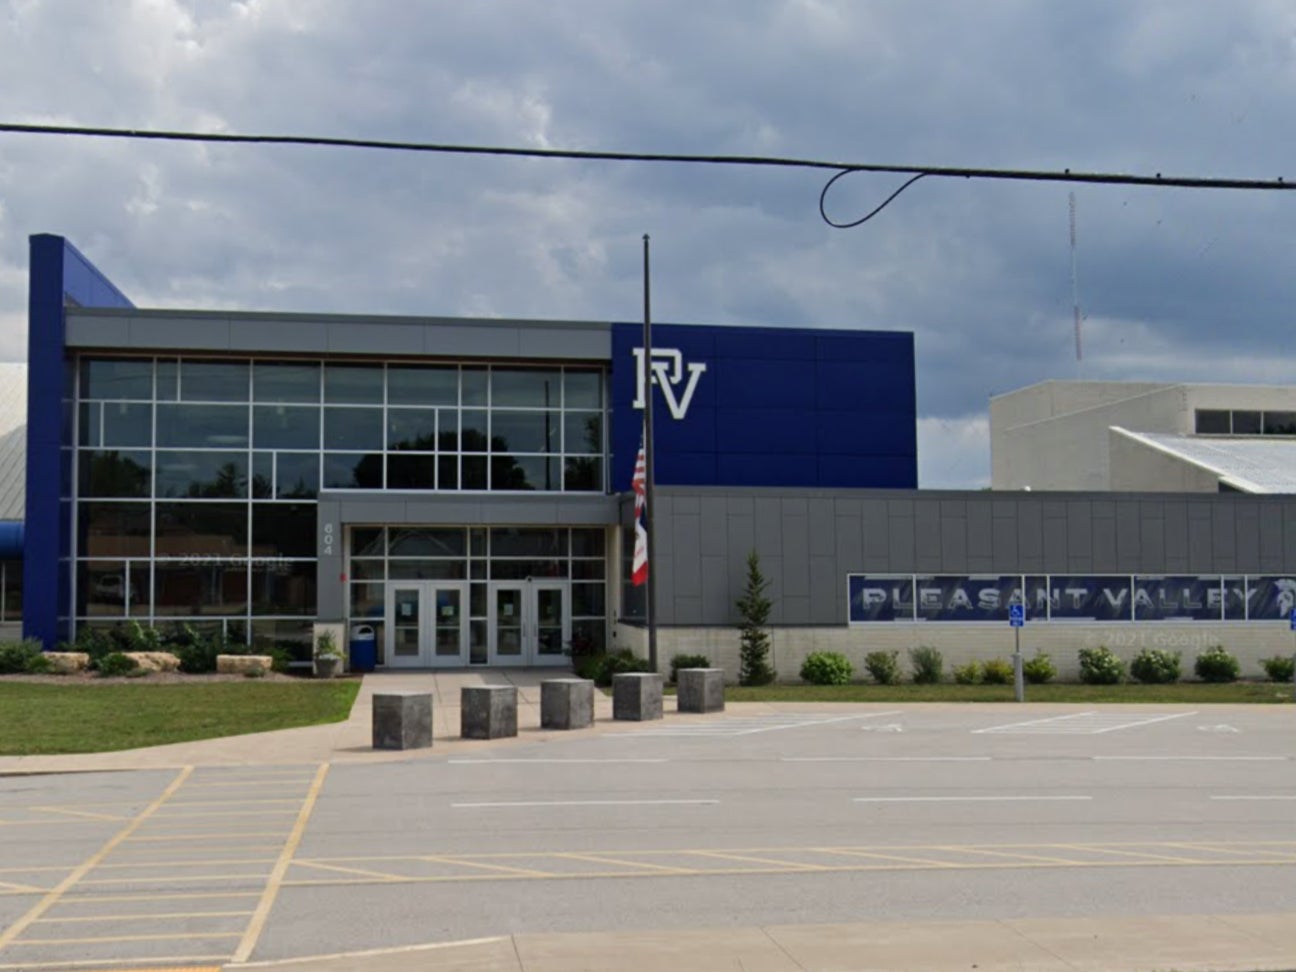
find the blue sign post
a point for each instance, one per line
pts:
(1292, 621)
(1017, 618)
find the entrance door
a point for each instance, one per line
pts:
(530, 622)
(427, 625)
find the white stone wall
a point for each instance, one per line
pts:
(961, 643)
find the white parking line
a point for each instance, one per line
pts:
(886, 759)
(1077, 724)
(969, 799)
(1255, 796)
(1223, 759)
(744, 726)
(584, 803)
(487, 762)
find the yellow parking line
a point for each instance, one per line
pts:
(768, 861)
(239, 803)
(173, 896)
(604, 859)
(1148, 856)
(92, 963)
(144, 917)
(21, 888)
(348, 870)
(226, 813)
(856, 852)
(118, 939)
(276, 879)
(81, 813)
(490, 867)
(18, 927)
(175, 880)
(1014, 855)
(211, 835)
(221, 862)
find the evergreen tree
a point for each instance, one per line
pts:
(754, 607)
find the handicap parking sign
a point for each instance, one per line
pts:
(1017, 615)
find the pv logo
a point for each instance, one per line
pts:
(668, 374)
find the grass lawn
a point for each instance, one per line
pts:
(36, 718)
(1190, 693)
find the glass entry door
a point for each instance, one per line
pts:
(427, 624)
(530, 622)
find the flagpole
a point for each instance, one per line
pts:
(650, 511)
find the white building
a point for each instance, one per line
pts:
(1144, 436)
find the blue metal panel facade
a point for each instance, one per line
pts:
(787, 407)
(59, 275)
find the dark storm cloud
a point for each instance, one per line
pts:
(1174, 284)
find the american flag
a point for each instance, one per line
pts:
(639, 573)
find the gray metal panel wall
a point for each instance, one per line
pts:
(809, 540)
(227, 332)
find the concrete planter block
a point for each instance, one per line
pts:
(402, 720)
(155, 661)
(566, 703)
(68, 662)
(487, 711)
(637, 696)
(242, 664)
(700, 690)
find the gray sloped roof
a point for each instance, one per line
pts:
(13, 440)
(1256, 464)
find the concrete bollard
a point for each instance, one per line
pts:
(566, 703)
(402, 720)
(700, 690)
(487, 711)
(637, 696)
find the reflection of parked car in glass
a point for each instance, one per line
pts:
(111, 587)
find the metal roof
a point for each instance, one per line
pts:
(13, 440)
(1252, 464)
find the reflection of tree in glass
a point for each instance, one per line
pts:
(115, 475)
(228, 482)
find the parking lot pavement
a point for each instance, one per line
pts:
(873, 817)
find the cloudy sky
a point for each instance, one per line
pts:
(1174, 284)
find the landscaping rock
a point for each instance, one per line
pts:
(154, 661)
(68, 662)
(242, 664)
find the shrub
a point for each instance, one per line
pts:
(1155, 666)
(1039, 669)
(136, 637)
(16, 657)
(38, 664)
(687, 661)
(827, 668)
(927, 665)
(1100, 666)
(754, 609)
(601, 668)
(997, 671)
(1279, 668)
(197, 650)
(115, 663)
(883, 667)
(968, 674)
(1217, 665)
(95, 642)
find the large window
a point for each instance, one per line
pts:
(1223, 421)
(197, 477)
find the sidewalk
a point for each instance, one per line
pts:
(340, 742)
(1188, 943)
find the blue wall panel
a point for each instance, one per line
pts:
(59, 275)
(774, 407)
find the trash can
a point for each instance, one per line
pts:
(364, 648)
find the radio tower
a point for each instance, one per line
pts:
(1075, 286)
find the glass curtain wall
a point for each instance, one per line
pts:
(197, 479)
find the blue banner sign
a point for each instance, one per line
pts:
(1070, 597)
